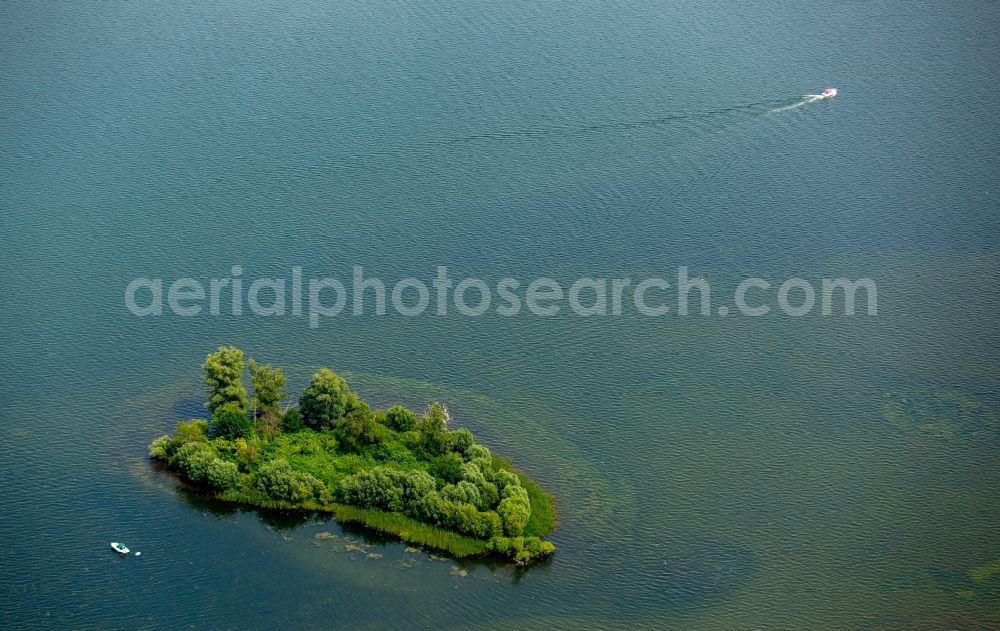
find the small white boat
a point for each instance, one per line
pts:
(829, 93)
(119, 547)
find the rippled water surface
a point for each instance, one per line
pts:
(709, 472)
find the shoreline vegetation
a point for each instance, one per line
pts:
(391, 470)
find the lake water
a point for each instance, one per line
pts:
(710, 472)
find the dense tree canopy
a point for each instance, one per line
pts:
(281, 482)
(195, 430)
(231, 421)
(357, 427)
(435, 419)
(223, 372)
(433, 428)
(400, 418)
(291, 422)
(322, 403)
(267, 382)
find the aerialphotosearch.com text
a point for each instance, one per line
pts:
(322, 298)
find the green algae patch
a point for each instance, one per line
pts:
(945, 414)
(984, 572)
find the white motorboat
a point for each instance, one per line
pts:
(119, 547)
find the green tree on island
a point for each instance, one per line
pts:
(291, 422)
(322, 403)
(231, 421)
(434, 429)
(223, 372)
(400, 419)
(357, 427)
(267, 382)
(265, 403)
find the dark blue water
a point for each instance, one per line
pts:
(710, 472)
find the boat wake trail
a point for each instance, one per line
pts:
(675, 127)
(806, 100)
(692, 119)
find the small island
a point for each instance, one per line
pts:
(391, 470)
